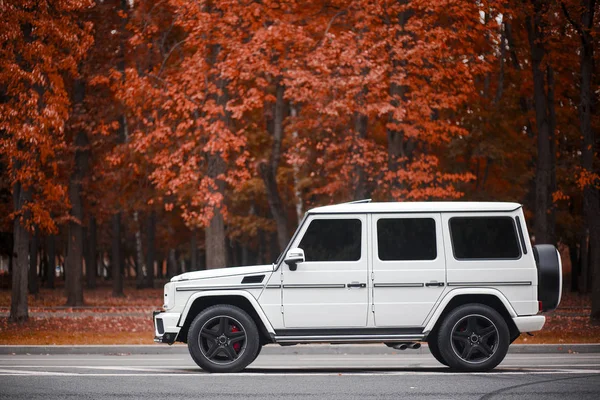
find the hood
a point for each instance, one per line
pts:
(220, 272)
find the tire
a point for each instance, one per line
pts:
(473, 338)
(547, 260)
(229, 341)
(260, 346)
(432, 342)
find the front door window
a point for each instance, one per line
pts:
(328, 240)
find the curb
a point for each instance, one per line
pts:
(276, 350)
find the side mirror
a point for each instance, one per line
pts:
(293, 257)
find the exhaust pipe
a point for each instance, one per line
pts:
(406, 345)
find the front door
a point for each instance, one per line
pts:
(329, 289)
(409, 270)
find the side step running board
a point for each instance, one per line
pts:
(349, 338)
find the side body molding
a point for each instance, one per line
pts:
(213, 293)
(465, 291)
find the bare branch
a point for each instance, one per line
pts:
(572, 22)
(175, 46)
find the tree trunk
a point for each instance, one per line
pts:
(34, 286)
(395, 139)
(43, 265)
(150, 249)
(591, 193)
(160, 262)
(516, 64)
(140, 275)
(19, 311)
(10, 259)
(117, 251)
(245, 255)
(544, 168)
(74, 262)
(575, 266)
(171, 264)
(215, 231)
(216, 253)
(116, 261)
(91, 258)
(360, 127)
(269, 171)
(297, 191)
(51, 254)
(552, 153)
(194, 251)
(584, 283)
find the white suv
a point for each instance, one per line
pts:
(461, 276)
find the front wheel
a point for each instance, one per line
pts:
(473, 337)
(223, 338)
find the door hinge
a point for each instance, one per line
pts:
(282, 309)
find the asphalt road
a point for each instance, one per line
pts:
(297, 376)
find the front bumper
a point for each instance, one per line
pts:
(165, 326)
(529, 323)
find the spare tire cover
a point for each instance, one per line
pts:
(549, 268)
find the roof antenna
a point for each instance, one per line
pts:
(359, 201)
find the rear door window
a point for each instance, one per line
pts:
(406, 239)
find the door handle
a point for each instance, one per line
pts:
(435, 284)
(356, 285)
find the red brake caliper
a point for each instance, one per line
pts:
(236, 346)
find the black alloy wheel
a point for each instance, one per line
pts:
(473, 337)
(223, 338)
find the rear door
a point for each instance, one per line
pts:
(409, 269)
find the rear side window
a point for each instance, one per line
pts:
(332, 240)
(484, 238)
(406, 239)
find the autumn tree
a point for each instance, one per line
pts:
(42, 43)
(583, 19)
(215, 124)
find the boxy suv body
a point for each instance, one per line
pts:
(461, 276)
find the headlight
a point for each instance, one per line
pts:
(169, 297)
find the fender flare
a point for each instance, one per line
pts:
(439, 309)
(214, 293)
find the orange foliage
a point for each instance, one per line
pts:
(42, 44)
(409, 100)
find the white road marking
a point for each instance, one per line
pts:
(83, 358)
(296, 374)
(5, 372)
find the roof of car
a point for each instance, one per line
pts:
(365, 206)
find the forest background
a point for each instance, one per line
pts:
(140, 139)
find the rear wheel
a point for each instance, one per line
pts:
(473, 337)
(223, 338)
